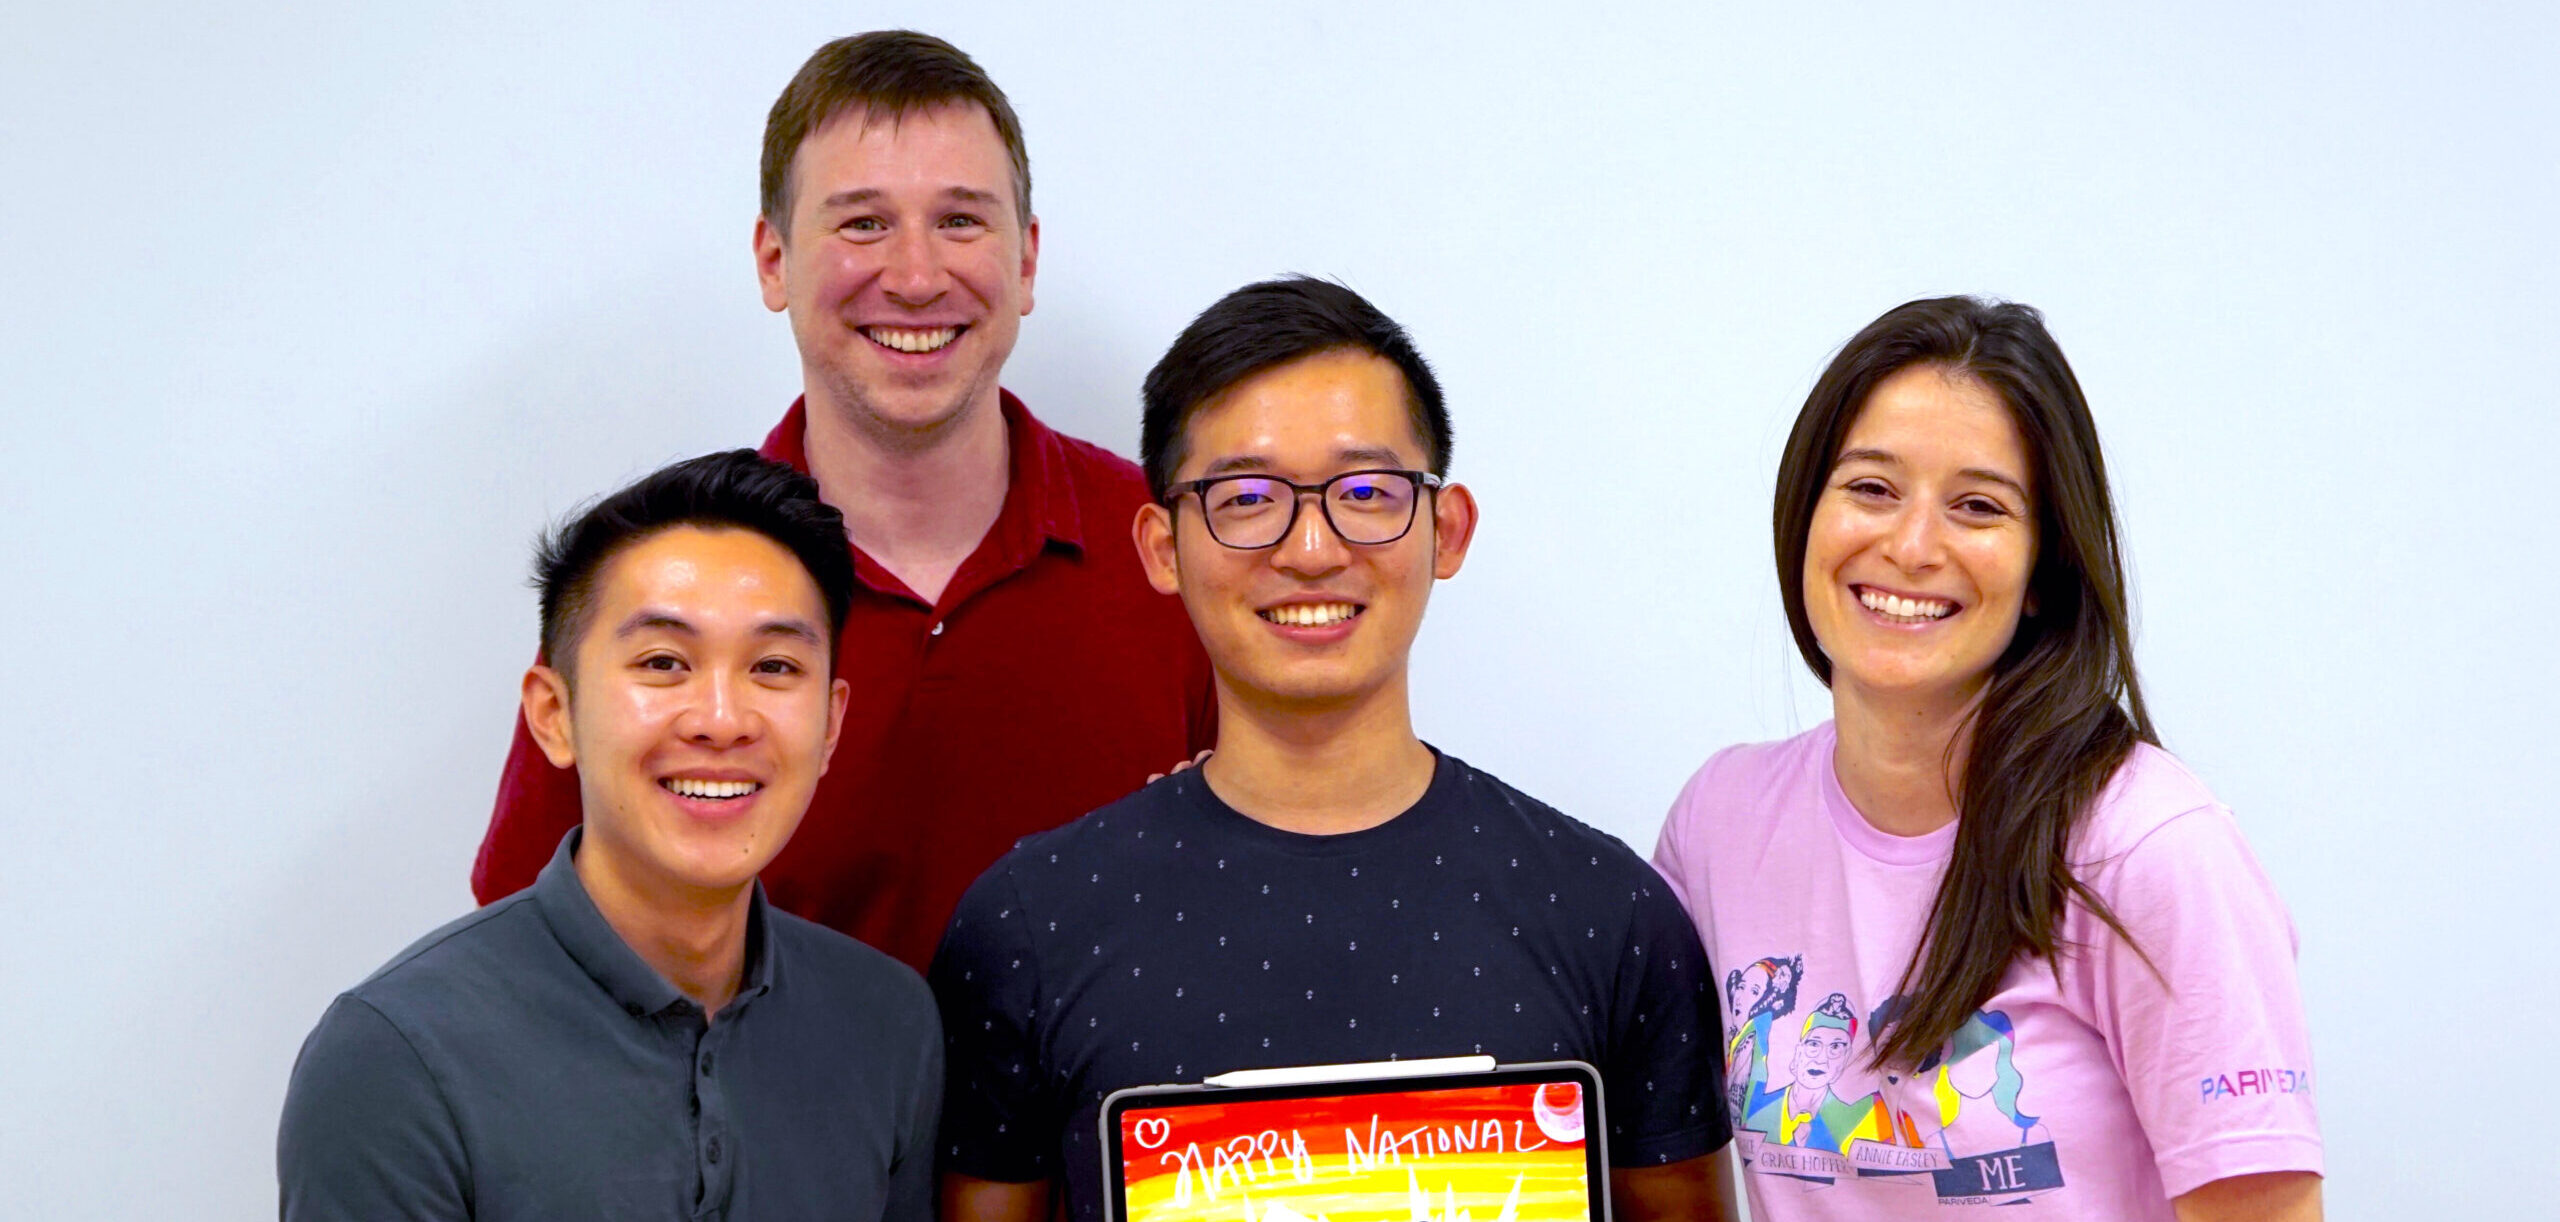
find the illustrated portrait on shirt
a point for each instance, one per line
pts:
(1941, 1124)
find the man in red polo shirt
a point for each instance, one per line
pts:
(1011, 668)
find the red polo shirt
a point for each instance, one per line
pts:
(1049, 680)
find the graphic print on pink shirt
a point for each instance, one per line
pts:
(1955, 1124)
(2098, 1084)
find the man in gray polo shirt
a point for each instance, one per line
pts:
(639, 1035)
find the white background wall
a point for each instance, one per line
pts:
(311, 315)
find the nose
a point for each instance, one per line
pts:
(1310, 549)
(913, 274)
(722, 714)
(1917, 539)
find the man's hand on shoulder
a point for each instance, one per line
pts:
(1182, 765)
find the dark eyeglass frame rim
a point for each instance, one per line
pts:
(1424, 480)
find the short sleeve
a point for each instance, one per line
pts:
(1000, 1117)
(2212, 1045)
(366, 1132)
(1663, 1082)
(911, 1178)
(1672, 854)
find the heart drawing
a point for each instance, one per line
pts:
(1151, 1131)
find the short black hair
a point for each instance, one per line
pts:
(1264, 325)
(732, 489)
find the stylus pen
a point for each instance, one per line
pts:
(1298, 1075)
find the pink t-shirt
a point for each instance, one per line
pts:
(2101, 1095)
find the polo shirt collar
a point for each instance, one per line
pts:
(1040, 502)
(610, 962)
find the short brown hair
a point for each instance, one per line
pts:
(889, 74)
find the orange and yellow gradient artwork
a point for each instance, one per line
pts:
(1474, 1154)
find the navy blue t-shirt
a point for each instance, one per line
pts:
(1166, 938)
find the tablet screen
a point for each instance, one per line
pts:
(1515, 1145)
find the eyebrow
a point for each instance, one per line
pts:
(646, 619)
(796, 629)
(1351, 458)
(1982, 474)
(864, 195)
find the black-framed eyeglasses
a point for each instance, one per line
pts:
(1249, 512)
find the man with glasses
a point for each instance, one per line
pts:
(1327, 887)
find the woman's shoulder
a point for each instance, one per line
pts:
(2171, 862)
(1751, 769)
(2151, 790)
(1749, 784)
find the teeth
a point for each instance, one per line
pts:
(1311, 615)
(909, 339)
(1905, 608)
(691, 788)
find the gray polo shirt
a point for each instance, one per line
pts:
(525, 1063)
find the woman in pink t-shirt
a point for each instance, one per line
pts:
(1985, 944)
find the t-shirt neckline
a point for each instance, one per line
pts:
(1927, 848)
(1411, 821)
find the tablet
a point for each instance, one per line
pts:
(1460, 1140)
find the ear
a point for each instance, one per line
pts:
(1030, 260)
(546, 714)
(1453, 527)
(768, 245)
(837, 693)
(1153, 533)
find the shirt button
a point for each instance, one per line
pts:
(706, 1064)
(713, 1152)
(937, 628)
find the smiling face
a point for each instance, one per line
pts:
(1921, 547)
(1310, 622)
(702, 715)
(906, 269)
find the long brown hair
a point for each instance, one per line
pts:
(2063, 709)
